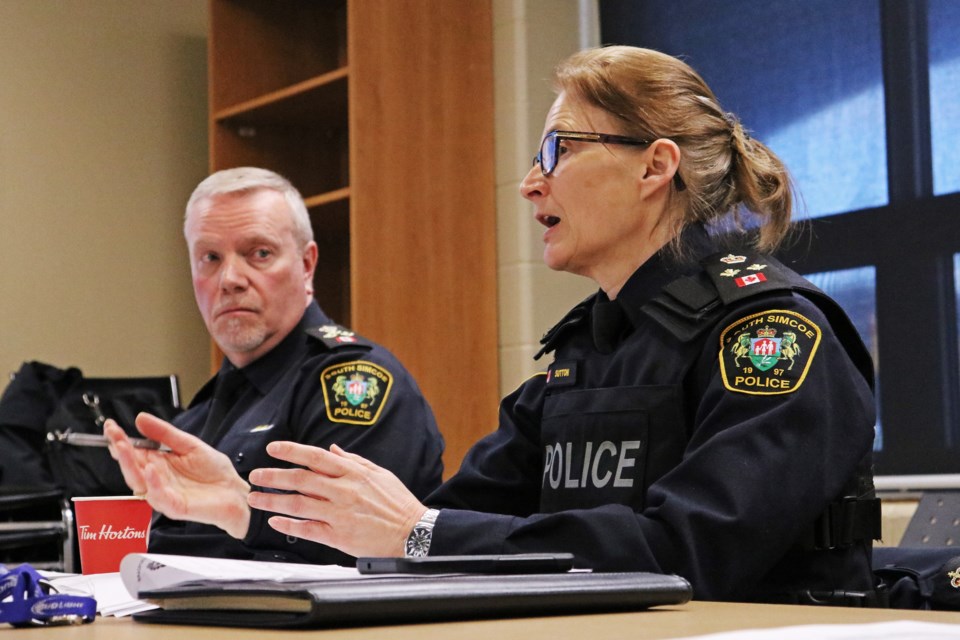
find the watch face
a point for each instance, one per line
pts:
(418, 543)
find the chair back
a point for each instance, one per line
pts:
(936, 522)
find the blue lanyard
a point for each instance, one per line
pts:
(23, 602)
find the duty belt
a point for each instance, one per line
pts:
(845, 522)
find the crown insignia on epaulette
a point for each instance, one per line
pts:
(732, 259)
(334, 332)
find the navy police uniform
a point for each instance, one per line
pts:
(714, 421)
(321, 385)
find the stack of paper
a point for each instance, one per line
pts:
(116, 593)
(107, 589)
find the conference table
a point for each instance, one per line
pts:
(676, 621)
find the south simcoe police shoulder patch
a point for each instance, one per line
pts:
(355, 392)
(768, 353)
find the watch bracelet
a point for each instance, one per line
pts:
(418, 540)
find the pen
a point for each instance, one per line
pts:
(93, 440)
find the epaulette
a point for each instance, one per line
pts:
(573, 317)
(689, 305)
(335, 336)
(739, 276)
(685, 306)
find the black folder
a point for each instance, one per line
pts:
(409, 599)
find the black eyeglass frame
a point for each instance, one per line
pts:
(556, 136)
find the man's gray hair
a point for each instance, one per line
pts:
(249, 179)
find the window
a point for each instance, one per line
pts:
(855, 291)
(788, 105)
(956, 308)
(944, 88)
(859, 99)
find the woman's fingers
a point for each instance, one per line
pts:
(295, 505)
(299, 480)
(314, 458)
(312, 530)
(357, 459)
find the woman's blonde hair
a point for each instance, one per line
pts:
(727, 174)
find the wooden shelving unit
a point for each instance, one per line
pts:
(381, 113)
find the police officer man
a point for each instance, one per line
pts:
(289, 371)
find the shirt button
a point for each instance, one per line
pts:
(240, 457)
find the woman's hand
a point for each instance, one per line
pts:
(193, 481)
(340, 499)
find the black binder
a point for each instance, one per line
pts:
(408, 599)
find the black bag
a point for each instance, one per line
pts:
(919, 577)
(43, 402)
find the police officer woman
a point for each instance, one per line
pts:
(707, 412)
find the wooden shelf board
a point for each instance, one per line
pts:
(313, 99)
(327, 198)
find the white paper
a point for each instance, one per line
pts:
(107, 589)
(148, 571)
(896, 630)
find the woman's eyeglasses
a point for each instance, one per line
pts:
(549, 154)
(550, 147)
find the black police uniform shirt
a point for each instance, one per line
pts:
(706, 449)
(321, 385)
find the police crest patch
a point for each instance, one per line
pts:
(768, 353)
(355, 392)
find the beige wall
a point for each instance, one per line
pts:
(530, 38)
(102, 136)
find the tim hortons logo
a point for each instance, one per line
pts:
(107, 532)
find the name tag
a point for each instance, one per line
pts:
(562, 373)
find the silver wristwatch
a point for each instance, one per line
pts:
(418, 542)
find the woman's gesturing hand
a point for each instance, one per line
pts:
(338, 499)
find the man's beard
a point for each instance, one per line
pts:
(239, 336)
